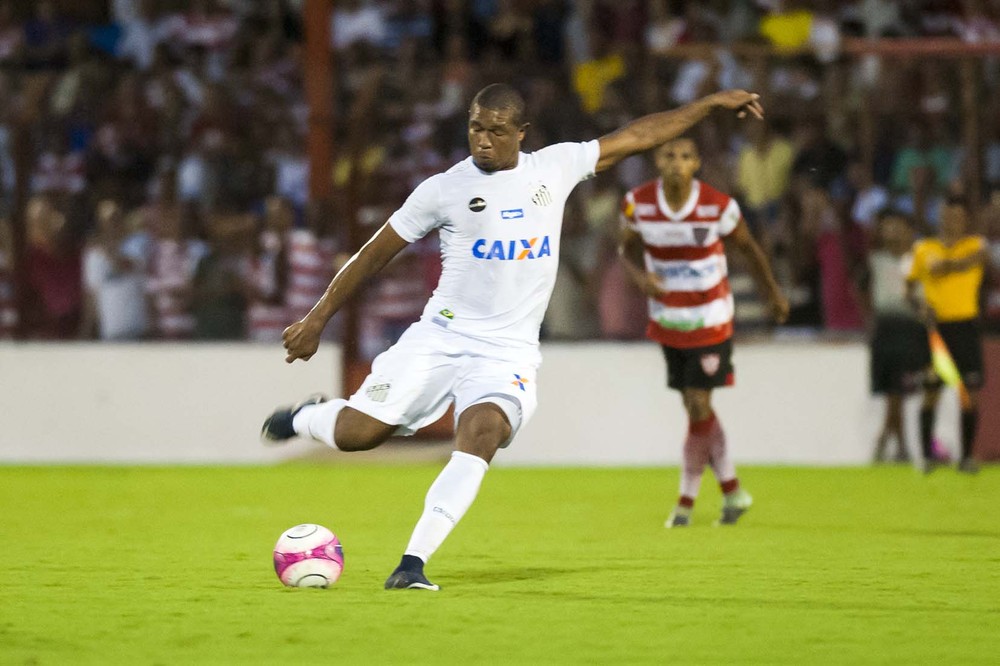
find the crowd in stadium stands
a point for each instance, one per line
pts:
(163, 145)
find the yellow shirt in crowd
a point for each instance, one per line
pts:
(954, 296)
(763, 177)
(592, 78)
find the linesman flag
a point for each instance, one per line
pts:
(944, 366)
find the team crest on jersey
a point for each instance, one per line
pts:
(378, 392)
(710, 363)
(541, 196)
(700, 234)
(710, 210)
(477, 204)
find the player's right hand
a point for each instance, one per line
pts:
(651, 285)
(301, 340)
(741, 101)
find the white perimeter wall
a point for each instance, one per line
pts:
(600, 404)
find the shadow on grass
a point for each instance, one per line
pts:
(493, 576)
(897, 531)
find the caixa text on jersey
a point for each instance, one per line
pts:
(512, 250)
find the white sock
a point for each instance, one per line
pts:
(448, 498)
(318, 421)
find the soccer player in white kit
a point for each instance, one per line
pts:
(498, 214)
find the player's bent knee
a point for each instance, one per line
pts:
(356, 431)
(482, 429)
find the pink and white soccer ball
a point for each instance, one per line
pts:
(308, 556)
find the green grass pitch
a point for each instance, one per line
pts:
(173, 566)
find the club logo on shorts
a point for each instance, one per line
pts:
(378, 392)
(541, 196)
(520, 381)
(477, 204)
(710, 363)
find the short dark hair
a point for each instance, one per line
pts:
(687, 136)
(501, 97)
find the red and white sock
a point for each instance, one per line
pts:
(696, 456)
(722, 464)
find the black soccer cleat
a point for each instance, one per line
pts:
(277, 428)
(402, 579)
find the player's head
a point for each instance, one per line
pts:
(678, 160)
(893, 230)
(496, 127)
(954, 217)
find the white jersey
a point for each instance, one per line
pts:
(499, 240)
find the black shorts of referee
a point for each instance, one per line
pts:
(964, 340)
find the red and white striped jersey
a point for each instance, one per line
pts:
(684, 248)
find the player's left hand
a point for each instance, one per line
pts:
(779, 308)
(741, 101)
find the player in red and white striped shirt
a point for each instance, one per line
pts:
(675, 229)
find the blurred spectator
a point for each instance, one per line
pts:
(114, 270)
(356, 21)
(592, 77)
(291, 167)
(267, 315)
(8, 296)
(45, 37)
(788, 25)
(818, 159)
(141, 34)
(52, 275)
(312, 260)
(174, 257)
(921, 150)
(976, 25)
(763, 168)
(621, 308)
(220, 284)
(921, 201)
(869, 198)
(572, 314)
(840, 254)
(11, 35)
(60, 171)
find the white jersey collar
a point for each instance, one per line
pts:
(688, 206)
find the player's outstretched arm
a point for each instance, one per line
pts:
(301, 339)
(760, 268)
(655, 129)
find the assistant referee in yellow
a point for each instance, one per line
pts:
(949, 268)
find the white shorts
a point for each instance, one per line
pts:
(413, 383)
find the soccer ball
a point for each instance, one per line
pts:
(308, 556)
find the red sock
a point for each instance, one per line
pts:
(730, 486)
(685, 501)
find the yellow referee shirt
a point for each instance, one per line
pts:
(954, 296)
